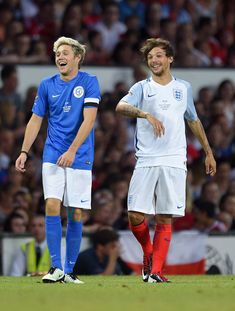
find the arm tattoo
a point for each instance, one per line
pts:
(130, 111)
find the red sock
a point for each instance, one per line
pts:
(141, 232)
(161, 243)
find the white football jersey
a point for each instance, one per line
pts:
(171, 104)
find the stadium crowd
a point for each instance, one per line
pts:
(203, 34)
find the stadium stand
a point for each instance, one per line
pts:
(203, 36)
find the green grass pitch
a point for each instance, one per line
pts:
(119, 293)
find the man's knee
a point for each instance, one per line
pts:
(163, 219)
(136, 218)
(53, 207)
(74, 214)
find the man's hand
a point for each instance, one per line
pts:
(20, 162)
(66, 159)
(113, 250)
(210, 164)
(157, 125)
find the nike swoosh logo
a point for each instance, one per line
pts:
(83, 201)
(55, 95)
(151, 95)
(180, 206)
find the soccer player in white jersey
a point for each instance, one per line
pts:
(70, 100)
(160, 103)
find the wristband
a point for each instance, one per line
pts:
(22, 151)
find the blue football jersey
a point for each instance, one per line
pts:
(63, 102)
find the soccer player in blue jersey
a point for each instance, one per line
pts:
(160, 103)
(70, 100)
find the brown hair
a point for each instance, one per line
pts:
(154, 43)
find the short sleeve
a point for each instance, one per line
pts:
(92, 95)
(40, 105)
(135, 95)
(190, 113)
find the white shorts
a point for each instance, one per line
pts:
(158, 190)
(70, 186)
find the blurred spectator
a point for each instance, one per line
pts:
(103, 257)
(7, 142)
(132, 7)
(102, 213)
(227, 205)
(14, 28)
(22, 200)
(168, 30)
(96, 54)
(72, 24)
(231, 57)
(223, 175)
(201, 8)
(226, 94)
(90, 12)
(207, 42)
(11, 110)
(210, 192)
(33, 258)
(39, 52)
(205, 96)
(220, 144)
(5, 18)
(29, 9)
(31, 178)
(205, 218)
(110, 27)
(31, 93)
(8, 91)
(174, 9)
(43, 25)
(227, 219)
(212, 23)
(15, 223)
(123, 55)
(231, 187)
(152, 21)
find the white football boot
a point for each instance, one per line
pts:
(54, 275)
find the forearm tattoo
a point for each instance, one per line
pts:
(130, 111)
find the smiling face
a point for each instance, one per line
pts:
(158, 62)
(67, 62)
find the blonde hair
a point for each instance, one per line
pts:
(78, 48)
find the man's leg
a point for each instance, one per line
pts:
(161, 243)
(77, 196)
(140, 229)
(54, 236)
(73, 237)
(73, 242)
(54, 231)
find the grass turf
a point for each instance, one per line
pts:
(119, 293)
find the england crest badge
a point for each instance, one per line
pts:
(178, 94)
